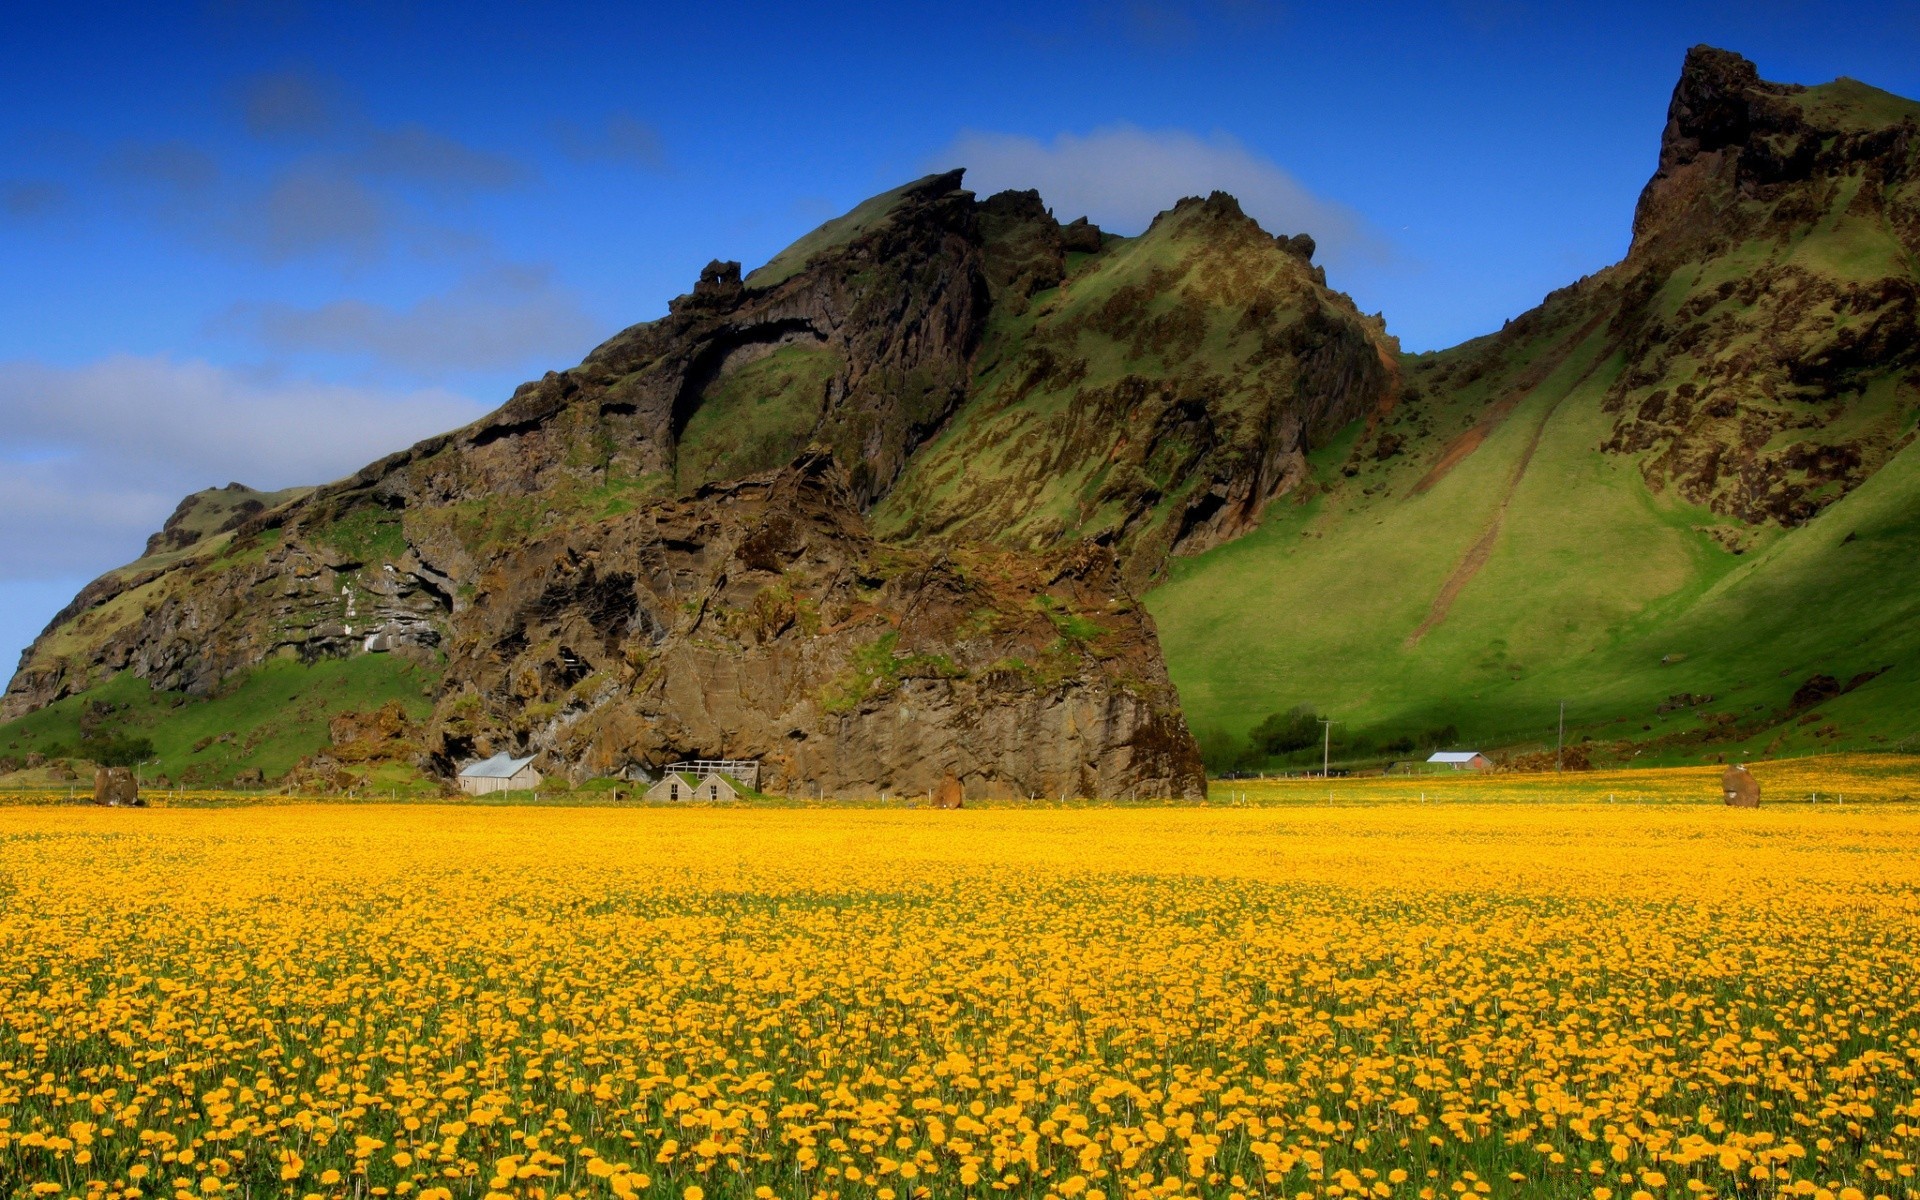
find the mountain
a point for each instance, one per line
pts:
(926, 497)
(593, 572)
(1679, 495)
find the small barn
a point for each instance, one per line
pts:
(1461, 760)
(501, 773)
(684, 785)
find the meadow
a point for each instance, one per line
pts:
(1388, 1000)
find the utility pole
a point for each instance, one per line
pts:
(1560, 742)
(1326, 745)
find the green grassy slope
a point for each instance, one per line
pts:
(270, 718)
(837, 232)
(1593, 590)
(756, 418)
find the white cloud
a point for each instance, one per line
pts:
(493, 319)
(1121, 176)
(97, 456)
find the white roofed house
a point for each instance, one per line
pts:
(501, 773)
(1461, 760)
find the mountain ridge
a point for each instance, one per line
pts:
(988, 381)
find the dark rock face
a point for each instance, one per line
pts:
(191, 627)
(758, 619)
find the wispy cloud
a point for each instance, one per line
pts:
(1122, 175)
(494, 319)
(327, 181)
(412, 153)
(97, 456)
(618, 137)
(289, 104)
(27, 199)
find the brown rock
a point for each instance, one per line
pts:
(1080, 234)
(249, 777)
(382, 734)
(891, 315)
(115, 786)
(760, 619)
(949, 794)
(1742, 790)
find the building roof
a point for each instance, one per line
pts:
(1454, 756)
(500, 766)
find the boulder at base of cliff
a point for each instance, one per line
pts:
(1741, 788)
(949, 794)
(115, 787)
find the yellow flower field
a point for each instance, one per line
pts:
(1593, 1000)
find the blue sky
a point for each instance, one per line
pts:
(269, 240)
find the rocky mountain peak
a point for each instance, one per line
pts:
(1733, 137)
(1719, 101)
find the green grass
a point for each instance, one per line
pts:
(837, 232)
(1592, 581)
(276, 714)
(757, 417)
(366, 534)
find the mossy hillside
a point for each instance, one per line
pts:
(1157, 366)
(838, 232)
(270, 718)
(203, 523)
(756, 418)
(1636, 498)
(1850, 104)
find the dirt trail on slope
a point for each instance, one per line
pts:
(1482, 549)
(1466, 443)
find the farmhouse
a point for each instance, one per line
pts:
(500, 773)
(1462, 760)
(685, 785)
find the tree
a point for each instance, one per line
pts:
(110, 751)
(1285, 732)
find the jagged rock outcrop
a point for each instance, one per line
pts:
(1156, 400)
(860, 342)
(1769, 309)
(759, 619)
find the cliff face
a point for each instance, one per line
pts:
(759, 619)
